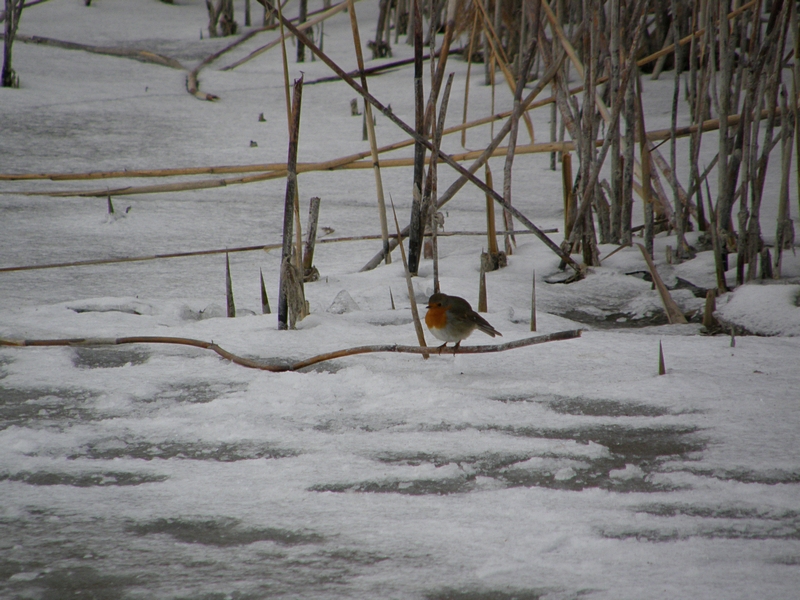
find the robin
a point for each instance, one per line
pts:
(451, 319)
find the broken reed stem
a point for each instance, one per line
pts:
(231, 306)
(482, 299)
(674, 314)
(709, 321)
(311, 240)
(279, 368)
(265, 309)
(533, 301)
(288, 208)
(373, 144)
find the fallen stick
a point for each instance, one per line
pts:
(140, 55)
(265, 248)
(280, 368)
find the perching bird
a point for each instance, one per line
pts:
(451, 319)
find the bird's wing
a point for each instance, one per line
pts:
(484, 325)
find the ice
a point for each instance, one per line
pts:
(163, 471)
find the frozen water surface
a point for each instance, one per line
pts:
(564, 470)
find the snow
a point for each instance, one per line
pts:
(555, 471)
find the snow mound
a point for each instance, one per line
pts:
(763, 309)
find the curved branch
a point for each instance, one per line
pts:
(280, 368)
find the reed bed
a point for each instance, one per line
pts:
(736, 70)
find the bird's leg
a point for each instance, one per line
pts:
(441, 348)
(455, 348)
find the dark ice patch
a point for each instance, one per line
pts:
(223, 532)
(108, 358)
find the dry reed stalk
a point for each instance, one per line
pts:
(579, 67)
(438, 77)
(482, 301)
(647, 199)
(679, 195)
(587, 152)
(527, 62)
(289, 124)
(722, 285)
(309, 272)
(616, 163)
(288, 209)
(377, 69)
(499, 56)
(417, 224)
(373, 144)
(491, 232)
(709, 322)
(795, 28)
(588, 190)
(663, 58)
(302, 16)
(466, 84)
(662, 369)
(722, 100)
(774, 42)
(533, 301)
(411, 299)
(570, 205)
(431, 191)
(280, 368)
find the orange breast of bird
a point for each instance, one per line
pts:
(436, 317)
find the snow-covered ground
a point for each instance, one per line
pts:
(556, 471)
